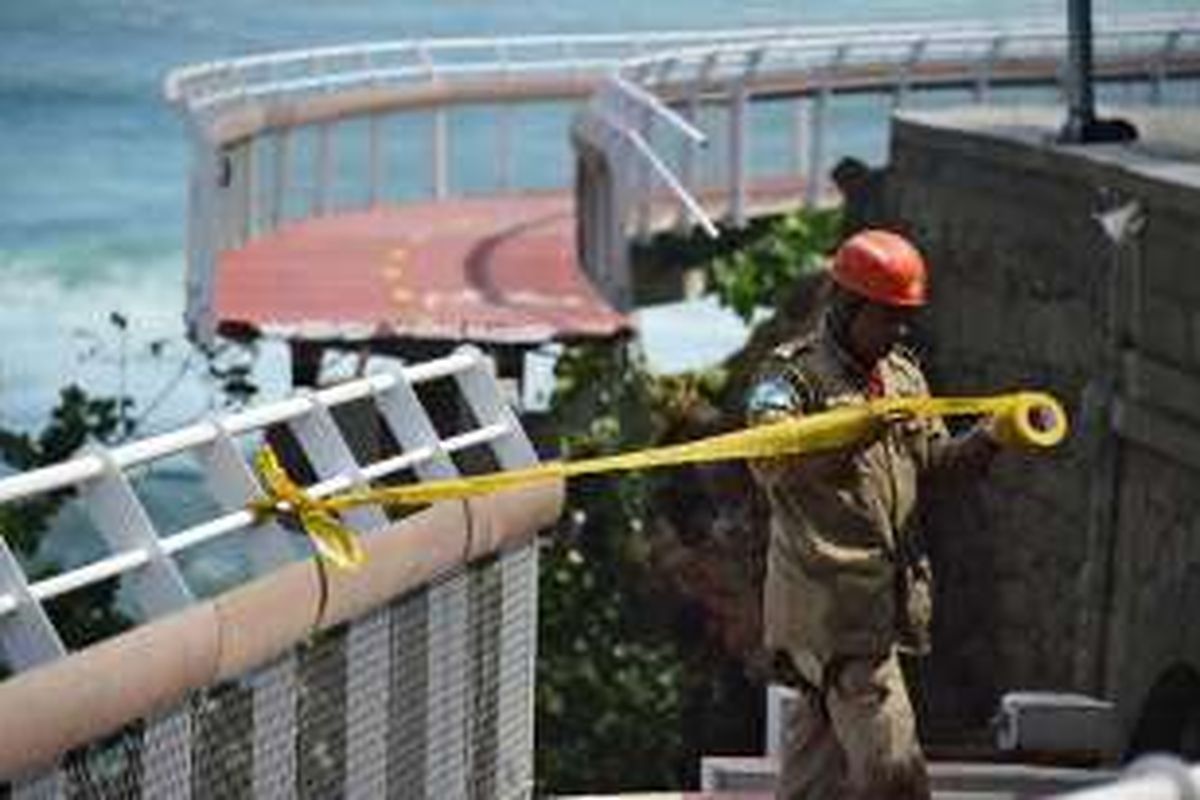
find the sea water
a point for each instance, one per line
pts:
(93, 166)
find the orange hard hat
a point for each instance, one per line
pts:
(881, 266)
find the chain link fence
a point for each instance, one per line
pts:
(428, 697)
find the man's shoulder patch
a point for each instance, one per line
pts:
(790, 362)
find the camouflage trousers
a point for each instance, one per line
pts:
(855, 738)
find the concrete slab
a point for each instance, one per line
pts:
(748, 774)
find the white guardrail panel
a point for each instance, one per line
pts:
(137, 551)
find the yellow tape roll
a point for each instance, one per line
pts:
(1032, 420)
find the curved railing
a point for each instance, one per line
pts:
(288, 136)
(211, 86)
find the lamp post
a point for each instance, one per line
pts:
(1082, 125)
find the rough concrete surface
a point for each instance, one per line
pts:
(1072, 571)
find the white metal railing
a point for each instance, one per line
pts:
(882, 60)
(210, 85)
(139, 551)
(275, 137)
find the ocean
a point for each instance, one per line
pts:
(93, 166)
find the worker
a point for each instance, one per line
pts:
(848, 583)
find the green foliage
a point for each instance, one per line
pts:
(75, 419)
(610, 675)
(606, 690)
(696, 248)
(622, 689)
(229, 364)
(89, 614)
(760, 274)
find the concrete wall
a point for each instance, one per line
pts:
(1029, 291)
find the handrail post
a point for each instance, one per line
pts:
(479, 389)
(245, 176)
(323, 177)
(439, 136)
(916, 51)
(280, 181)
(797, 152)
(330, 456)
(412, 428)
(983, 76)
(816, 147)
(644, 177)
(375, 161)
(202, 232)
(122, 520)
(738, 134)
(689, 169)
(1170, 42)
(739, 138)
(687, 157)
(233, 485)
(27, 637)
(816, 157)
(504, 126)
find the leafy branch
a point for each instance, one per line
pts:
(760, 274)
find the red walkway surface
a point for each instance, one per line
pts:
(489, 269)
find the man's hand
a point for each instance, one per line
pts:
(889, 421)
(897, 416)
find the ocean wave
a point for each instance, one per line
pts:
(91, 263)
(109, 318)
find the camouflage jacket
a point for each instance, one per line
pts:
(846, 572)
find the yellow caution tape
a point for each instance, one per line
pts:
(334, 542)
(1032, 420)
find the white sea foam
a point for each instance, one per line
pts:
(58, 329)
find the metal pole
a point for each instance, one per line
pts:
(1082, 126)
(1081, 113)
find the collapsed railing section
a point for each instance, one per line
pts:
(459, 645)
(719, 93)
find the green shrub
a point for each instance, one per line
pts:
(760, 274)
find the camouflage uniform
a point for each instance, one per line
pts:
(847, 583)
